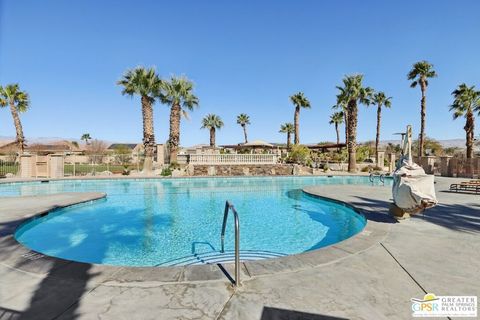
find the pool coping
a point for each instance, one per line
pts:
(16, 256)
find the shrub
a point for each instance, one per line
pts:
(166, 172)
(126, 171)
(300, 154)
(366, 169)
(174, 165)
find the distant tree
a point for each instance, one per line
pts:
(75, 144)
(337, 119)
(178, 94)
(97, 150)
(299, 101)
(393, 148)
(433, 145)
(287, 128)
(452, 151)
(18, 101)
(146, 84)
(420, 73)
(466, 102)
(212, 122)
(243, 119)
(86, 137)
(380, 99)
(351, 94)
(122, 154)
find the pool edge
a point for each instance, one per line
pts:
(30, 261)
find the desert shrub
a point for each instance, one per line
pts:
(166, 172)
(364, 152)
(366, 169)
(300, 154)
(174, 165)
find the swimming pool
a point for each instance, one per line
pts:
(162, 222)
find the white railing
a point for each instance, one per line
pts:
(233, 158)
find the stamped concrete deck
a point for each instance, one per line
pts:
(370, 276)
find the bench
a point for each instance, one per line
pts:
(468, 186)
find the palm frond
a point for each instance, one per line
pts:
(211, 121)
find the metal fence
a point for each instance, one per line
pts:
(92, 165)
(9, 168)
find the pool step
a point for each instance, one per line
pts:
(215, 257)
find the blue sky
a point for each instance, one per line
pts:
(244, 56)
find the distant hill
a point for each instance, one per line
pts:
(44, 140)
(449, 143)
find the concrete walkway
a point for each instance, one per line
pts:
(438, 253)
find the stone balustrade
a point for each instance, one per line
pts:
(233, 159)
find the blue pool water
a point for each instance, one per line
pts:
(152, 222)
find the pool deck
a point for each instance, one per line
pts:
(370, 276)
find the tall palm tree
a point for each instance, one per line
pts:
(466, 102)
(380, 99)
(243, 119)
(86, 137)
(351, 94)
(18, 101)
(287, 128)
(343, 108)
(420, 73)
(299, 101)
(145, 83)
(337, 119)
(212, 122)
(178, 94)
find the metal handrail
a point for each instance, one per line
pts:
(380, 176)
(228, 207)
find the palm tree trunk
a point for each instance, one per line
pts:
(288, 140)
(345, 119)
(377, 139)
(296, 124)
(174, 138)
(18, 128)
(338, 136)
(212, 137)
(245, 132)
(148, 134)
(469, 130)
(421, 141)
(352, 136)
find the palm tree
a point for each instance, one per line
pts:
(212, 122)
(420, 73)
(343, 108)
(337, 119)
(380, 99)
(287, 128)
(466, 102)
(145, 83)
(18, 101)
(86, 137)
(243, 119)
(178, 94)
(299, 101)
(351, 94)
